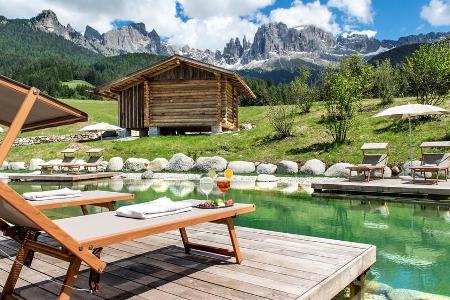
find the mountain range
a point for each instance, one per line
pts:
(272, 41)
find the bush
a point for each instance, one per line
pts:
(428, 73)
(282, 118)
(385, 81)
(301, 93)
(343, 90)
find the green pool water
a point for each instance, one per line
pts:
(413, 242)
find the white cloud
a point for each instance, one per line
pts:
(300, 13)
(369, 33)
(361, 10)
(437, 12)
(202, 9)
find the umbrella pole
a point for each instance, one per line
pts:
(410, 141)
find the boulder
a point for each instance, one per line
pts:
(313, 167)
(16, 166)
(406, 171)
(55, 162)
(287, 167)
(241, 167)
(103, 166)
(404, 294)
(266, 168)
(266, 178)
(147, 175)
(338, 170)
(35, 164)
(247, 126)
(80, 162)
(158, 164)
(115, 164)
(387, 172)
(180, 163)
(216, 163)
(136, 164)
(4, 165)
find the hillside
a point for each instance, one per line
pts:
(396, 55)
(310, 140)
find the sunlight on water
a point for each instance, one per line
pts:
(413, 243)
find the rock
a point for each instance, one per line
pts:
(158, 164)
(54, 162)
(243, 184)
(80, 162)
(266, 169)
(216, 163)
(387, 172)
(266, 178)
(116, 185)
(115, 164)
(104, 165)
(406, 171)
(404, 294)
(241, 167)
(287, 167)
(4, 165)
(375, 287)
(313, 167)
(338, 170)
(180, 163)
(147, 175)
(266, 185)
(395, 170)
(136, 164)
(16, 166)
(247, 126)
(35, 164)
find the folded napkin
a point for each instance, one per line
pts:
(52, 195)
(156, 208)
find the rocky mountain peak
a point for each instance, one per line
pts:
(92, 34)
(48, 21)
(139, 27)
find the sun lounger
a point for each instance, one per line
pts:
(371, 162)
(94, 162)
(68, 159)
(433, 162)
(80, 239)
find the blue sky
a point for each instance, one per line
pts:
(211, 23)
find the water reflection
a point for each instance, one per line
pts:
(413, 241)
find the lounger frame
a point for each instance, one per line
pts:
(368, 170)
(444, 168)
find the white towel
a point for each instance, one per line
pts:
(52, 195)
(156, 208)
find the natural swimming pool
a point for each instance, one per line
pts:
(413, 242)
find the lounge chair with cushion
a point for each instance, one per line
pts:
(371, 162)
(68, 159)
(435, 163)
(79, 239)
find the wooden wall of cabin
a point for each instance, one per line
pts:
(186, 97)
(131, 107)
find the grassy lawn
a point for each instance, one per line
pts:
(310, 141)
(74, 83)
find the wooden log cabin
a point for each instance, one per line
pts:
(178, 94)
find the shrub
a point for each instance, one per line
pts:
(343, 90)
(281, 118)
(301, 93)
(385, 81)
(428, 73)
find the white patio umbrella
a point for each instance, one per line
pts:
(1, 130)
(100, 128)
(408, 111)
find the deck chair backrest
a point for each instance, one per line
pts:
(95, 160)
(68, 160)
(375, 159)
(438, 159)
(17, 211)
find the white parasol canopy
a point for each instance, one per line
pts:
(408, 111)
(101, 127)
(1, 130)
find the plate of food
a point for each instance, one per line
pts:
(215, 204)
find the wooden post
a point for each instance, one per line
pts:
(17, 123)
(147, 104)
(357, 288)
(218, 101)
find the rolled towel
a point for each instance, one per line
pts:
(52, 195)
(156, 208)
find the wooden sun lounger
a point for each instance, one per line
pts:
(93, 198)
(94, 162)
(80, 239)
(433, 162)
(371, 162)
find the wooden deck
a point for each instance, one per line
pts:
(386, 186)
(275, 266)
(62, 177)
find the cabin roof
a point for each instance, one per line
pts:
(112, 89)
(46, 111)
